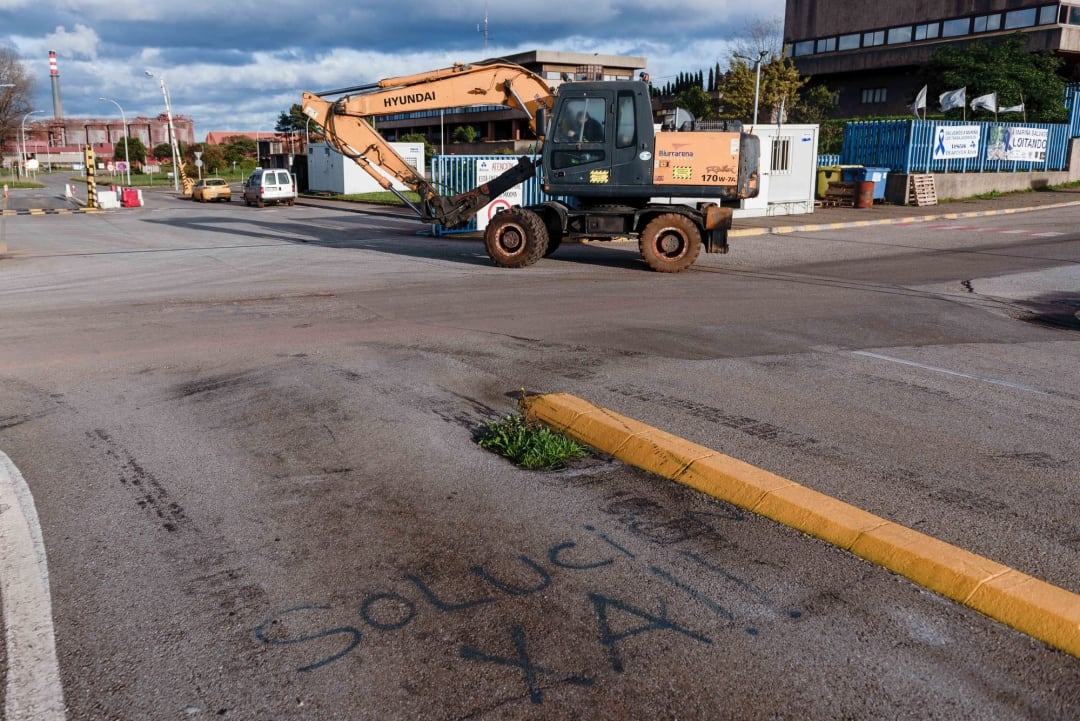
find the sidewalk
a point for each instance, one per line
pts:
(887, 214)
(822, 218)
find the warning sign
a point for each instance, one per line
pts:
(486, 171)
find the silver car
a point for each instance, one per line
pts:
(269, 186)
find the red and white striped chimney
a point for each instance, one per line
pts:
(54, 74)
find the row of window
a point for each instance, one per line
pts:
(953, 28)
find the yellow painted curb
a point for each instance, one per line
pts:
(1043, 611)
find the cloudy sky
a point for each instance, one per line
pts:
(237, 64)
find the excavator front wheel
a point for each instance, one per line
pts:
(670, 243)
(516, 238)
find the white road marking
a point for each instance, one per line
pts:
(936, 369)
(33, 691)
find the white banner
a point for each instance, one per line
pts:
(486, 171)
(956, 141)
(1027, 144)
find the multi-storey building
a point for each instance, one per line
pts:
(868, 53)
(61, 141)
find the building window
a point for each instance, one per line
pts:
(1074, 16)
(826, 45)
(987, 23)
(957, 27)
(804, 47)
(781, 156)
(1048, 15)
(849, 42)
(873, 95)
(1019, 19)
(929, 31)
(873, 38)
(900, 35)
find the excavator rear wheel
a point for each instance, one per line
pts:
(670, 243)
(516, 238)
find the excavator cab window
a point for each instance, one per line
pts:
(581, 120)
(625, 125)
(579, 133)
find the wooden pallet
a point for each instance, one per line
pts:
(840, 195)
(921, 190)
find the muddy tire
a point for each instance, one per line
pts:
(516, 238)
(670, 243)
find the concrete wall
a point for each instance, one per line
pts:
(966, 185)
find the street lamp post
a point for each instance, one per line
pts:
(172, 133)
(757, 77)
(22, 139)
(123, 118)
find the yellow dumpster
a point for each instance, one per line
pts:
(830, 174)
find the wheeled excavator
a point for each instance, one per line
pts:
(607, 169)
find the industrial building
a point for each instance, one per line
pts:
(869, 58)
(59, 141)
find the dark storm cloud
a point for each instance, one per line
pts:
(238, 64)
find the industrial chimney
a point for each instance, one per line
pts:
(54, 74)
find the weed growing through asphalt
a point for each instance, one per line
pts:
(529, 445)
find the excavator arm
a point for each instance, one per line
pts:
(348, 127)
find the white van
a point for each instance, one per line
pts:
(270, 186)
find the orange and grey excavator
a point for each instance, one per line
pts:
(609, 172)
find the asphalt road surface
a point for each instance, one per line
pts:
(249, 435)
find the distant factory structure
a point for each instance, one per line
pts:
(60, 140)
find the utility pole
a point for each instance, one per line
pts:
(483, 29)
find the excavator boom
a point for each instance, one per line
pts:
(346, 122)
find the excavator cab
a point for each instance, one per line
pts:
(602, 148)
(599, 141)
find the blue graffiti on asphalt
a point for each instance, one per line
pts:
(390, 610)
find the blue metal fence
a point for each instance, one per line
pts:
(905, 146)
(453, 174)
(1072, 92)
(831, 159)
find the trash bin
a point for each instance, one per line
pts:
(877, 176)
(831, 174)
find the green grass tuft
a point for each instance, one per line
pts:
(529, 445)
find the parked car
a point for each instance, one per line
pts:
(209, 189)
(270, 186)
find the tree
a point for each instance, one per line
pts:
(737, 90)
(162, 151)
(1005, 67)
(130, 149)
(780, 85)
(777, 91)
(14, 101)
(813, 105)
(292, 123)
(464, 134)
(239, 147)
(697, 102)
(760, 33)
(213, 158)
